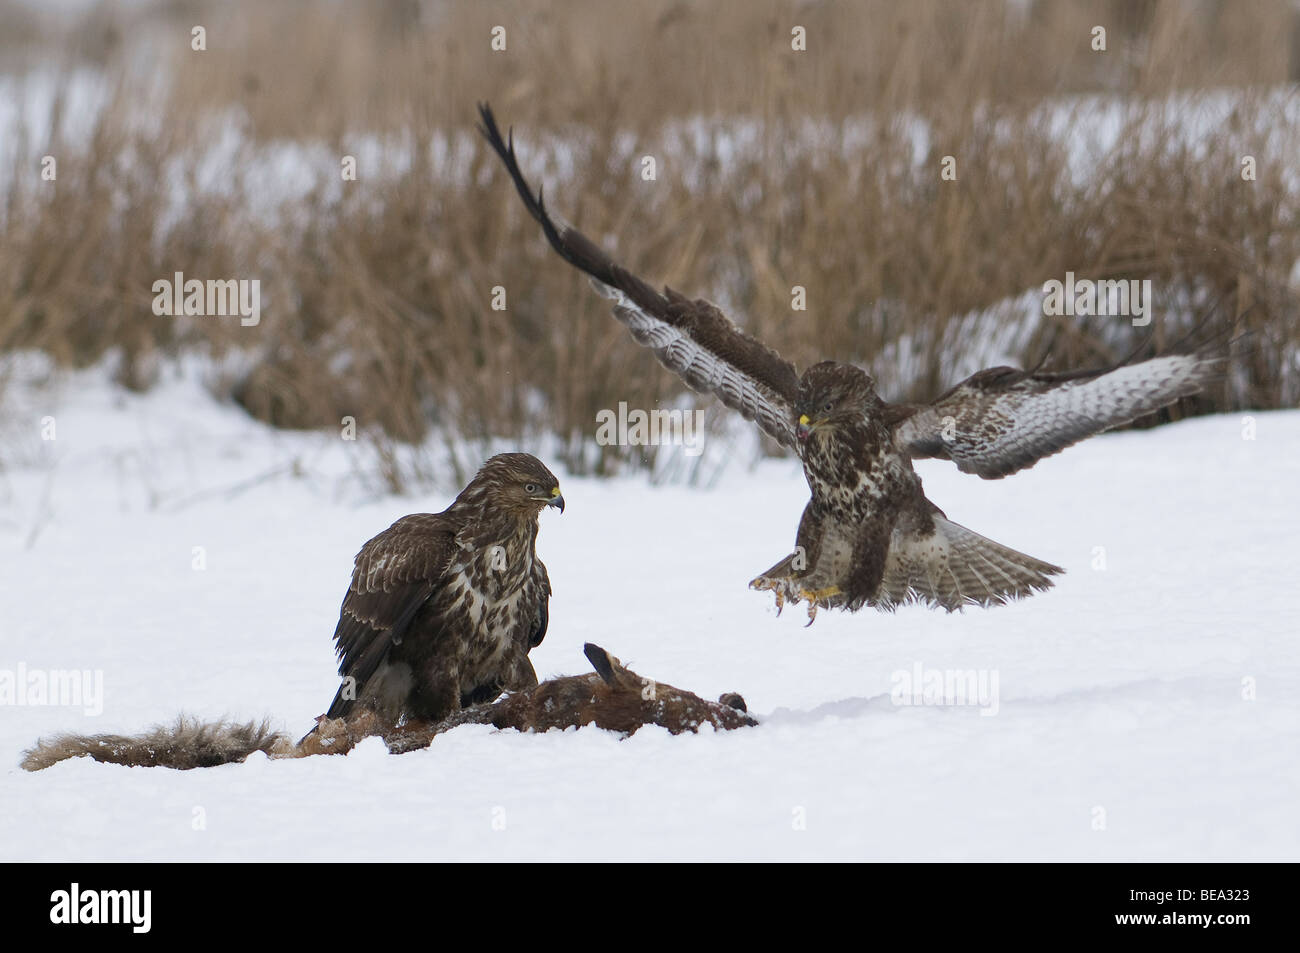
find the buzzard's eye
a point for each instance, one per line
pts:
(828, 406)
(530, 488)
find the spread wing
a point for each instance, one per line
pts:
(1002, 420)
(693, 338)
(395, 574)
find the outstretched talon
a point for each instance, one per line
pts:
(761, 583)
(817, 598)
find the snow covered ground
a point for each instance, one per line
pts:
(1147, 708)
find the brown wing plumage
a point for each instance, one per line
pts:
(1002, 420)
(394, 575)
(541, 584)
(691, 337)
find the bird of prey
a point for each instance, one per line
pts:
(869, 536)
(444, 607)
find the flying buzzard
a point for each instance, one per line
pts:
(869, 536)
(444, 607)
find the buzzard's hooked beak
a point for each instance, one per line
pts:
(804, 428)
(556, 500)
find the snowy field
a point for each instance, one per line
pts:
(1148, 708)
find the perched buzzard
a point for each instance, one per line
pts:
(869, 536)
(444, 607)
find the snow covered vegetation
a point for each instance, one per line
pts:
(921, 192)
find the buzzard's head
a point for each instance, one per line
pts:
(831, 394)
(519, 482)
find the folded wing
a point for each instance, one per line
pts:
(395, 574)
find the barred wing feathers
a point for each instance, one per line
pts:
(1002, 420)
(692, 338)
(394, 575)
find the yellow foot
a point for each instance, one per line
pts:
(762, 583)
(819, 595)
(815, 597)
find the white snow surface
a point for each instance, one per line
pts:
(1126, 726)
